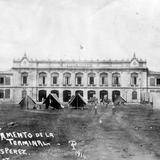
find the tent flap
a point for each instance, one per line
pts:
(77, 101)
(53, 101)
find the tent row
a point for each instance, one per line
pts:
(76, 101)
(52, 100)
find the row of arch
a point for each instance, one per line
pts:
(44, 74)
(67, 94)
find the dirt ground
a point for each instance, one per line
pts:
(131, 133)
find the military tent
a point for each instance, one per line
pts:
(119, 100)
(27, 103)
(53, 101)
(77, 101)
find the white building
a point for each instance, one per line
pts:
(129, 78)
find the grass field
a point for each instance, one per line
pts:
(131, 133)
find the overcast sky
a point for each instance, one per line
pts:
(55, 29)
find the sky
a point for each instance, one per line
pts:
(80, 29)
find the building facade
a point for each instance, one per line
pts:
(37, 78)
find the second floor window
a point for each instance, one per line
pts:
(158, 81)
(66, 78)
(103, 79)
(54, 80)
(116, 79)
(134, 77)
(24, 78)
(152, 81)
(1, 80)
(91, 80)
(79, 80)
(79, 77)
(42, 78)
(54, 76)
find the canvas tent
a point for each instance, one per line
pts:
(77, 101)
(53, 101)
(119, 100)
(27, 103)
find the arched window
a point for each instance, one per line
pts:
(103, 79)
(66, 95)
(116, 79)
(42, 95)
(24, 77)
(1, 93)
(66, 78)
(55, 76)
(7, 93)
(134, 95)
(79, 77)
(134, 77)
(91, 78)
(42, 78)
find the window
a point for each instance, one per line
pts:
(152, 81)
(91, 78)
(55, 76)
(79, 78)
(104, 78)
(24, 81)
(7, 93)
(42, 78)
(134, 77)
(115, 79)
(24, 78)
(66, 77)
(1, 93)
(1, 80)
(7, 80)
(134, 95)
(158, 81)
(54, 80)
(67, 80)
